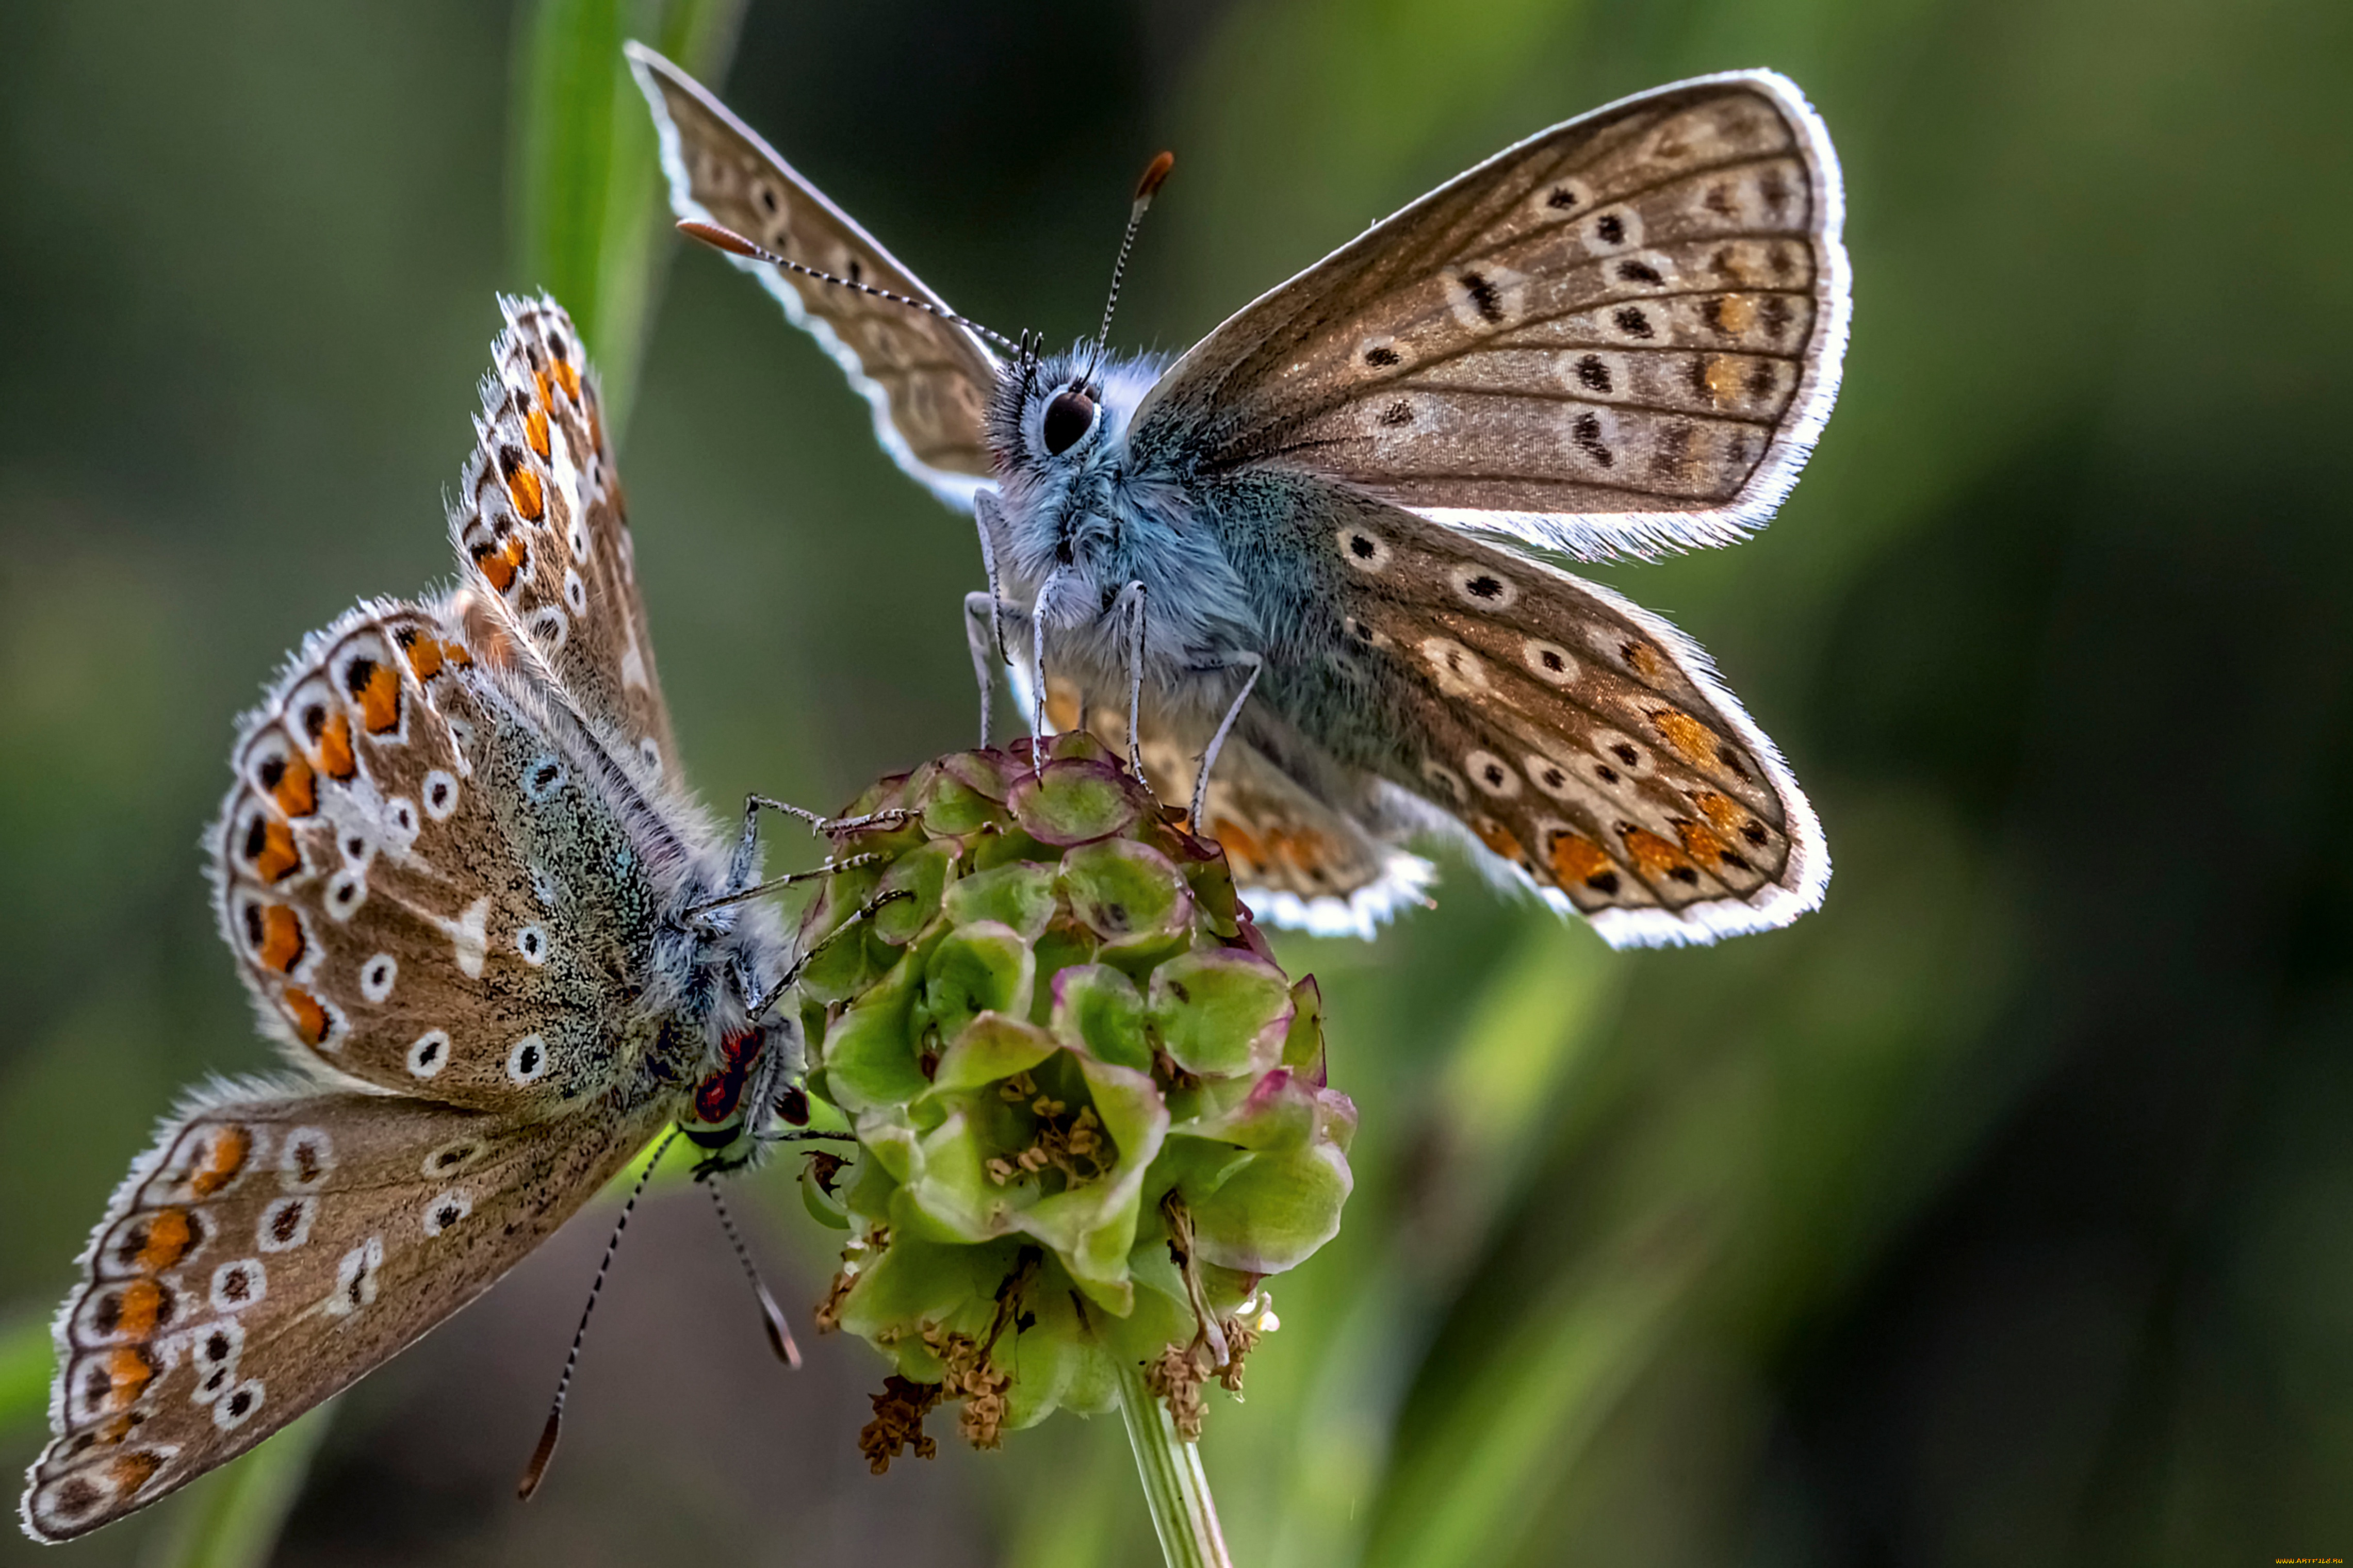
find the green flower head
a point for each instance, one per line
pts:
(1092, 1110)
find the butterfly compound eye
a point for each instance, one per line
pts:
(1068, 417)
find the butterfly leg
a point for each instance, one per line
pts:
(822, 827)
(1224, 726)
(1037, 614)
(986, 522)
(742, 865)
(865, 911)
(761, 889)
(1131, 602)
(983, 632)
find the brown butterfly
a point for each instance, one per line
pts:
(472, 900)
(1619, 336)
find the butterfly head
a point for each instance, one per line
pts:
(726, 1036)
(1062, 420)
(745, 1089)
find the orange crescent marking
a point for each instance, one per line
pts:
(131, 1472)
(1695, 740)
(279, 858)
(379, 700)
(336, 759)
(1654, 855)
(295, 791)
(501, 566)
(1718, 810)
(1577, 858)
(1699, 843)
(139, 1309)
(1500, 838)
(169, 1237)
(424, 653)
(1723, 378)
(128, 1370)
(281, 939)
(224, 1158)
(310, 1018)
(524, 486)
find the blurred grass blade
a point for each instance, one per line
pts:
(585, 198)
(1498, 1100)
(1472, 1487)
(24, 1370)
(231, 1519)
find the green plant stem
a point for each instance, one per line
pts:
(1183, 1512)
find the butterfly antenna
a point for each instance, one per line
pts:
(780, 1334)
(537, 1470)
(733, 244)
(1155, 176)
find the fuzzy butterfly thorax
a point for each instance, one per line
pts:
(472, 901)
(1280, 554)
(1093, 517)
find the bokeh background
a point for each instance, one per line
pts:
(1996, 1214)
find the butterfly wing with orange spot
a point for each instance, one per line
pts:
(436, 842)
(418, 884)
(276, 1244)
(1581, 740)
(538, 520)
(1301, 857)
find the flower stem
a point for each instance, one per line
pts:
(1183, 1512)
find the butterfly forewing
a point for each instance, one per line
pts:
(422, 891)
(1582, 740)
(928, 379)
(276, 1244)
(1622, 334)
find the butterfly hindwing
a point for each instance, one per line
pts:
(1622, 335)
(1580, 738)
(928, 380)
(538, 516)
(1300, 858)
(276, 1244)
(431, 856)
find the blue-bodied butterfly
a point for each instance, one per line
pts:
(1621, 336)
(501, 945)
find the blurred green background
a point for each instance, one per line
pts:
(1996, 1213)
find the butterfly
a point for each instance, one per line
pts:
(503, 949)
(1318, 535)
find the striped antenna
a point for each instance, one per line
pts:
(540, 1456)
(780, 1334)
(1155, 176)
(733, 244)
